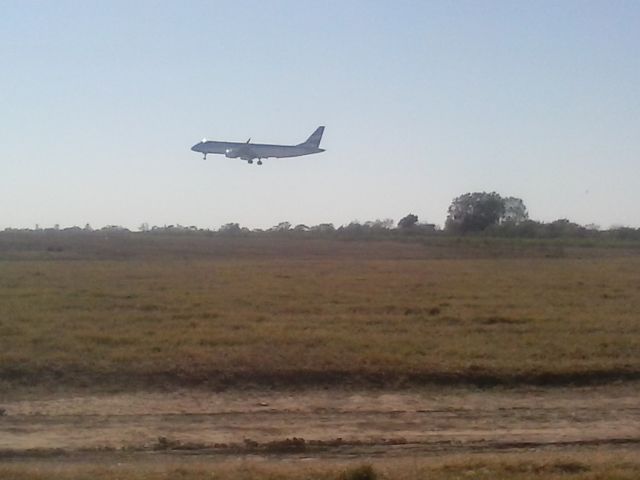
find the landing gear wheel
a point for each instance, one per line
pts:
(249, 162)
(259, 162)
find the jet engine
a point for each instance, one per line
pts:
(231, 153)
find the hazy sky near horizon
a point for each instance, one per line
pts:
(100, 103)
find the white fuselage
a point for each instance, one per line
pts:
(248, 151)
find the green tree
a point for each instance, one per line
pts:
(281, 227)
(474, 212)
(515, 211)
(408, 222)
(230, 229)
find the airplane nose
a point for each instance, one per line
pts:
(196, 147)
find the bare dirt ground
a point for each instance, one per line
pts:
(325, 423)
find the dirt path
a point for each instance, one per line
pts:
(330, 421)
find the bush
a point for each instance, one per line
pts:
(363, 472)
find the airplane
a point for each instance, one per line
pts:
(249, 151)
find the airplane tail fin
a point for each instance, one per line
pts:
(314, 139)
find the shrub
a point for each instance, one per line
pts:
(363, 472)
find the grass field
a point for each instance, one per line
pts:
(236, 311)
(592, 466)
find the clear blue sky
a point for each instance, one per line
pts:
(423, 101)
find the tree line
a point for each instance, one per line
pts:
(476, 213)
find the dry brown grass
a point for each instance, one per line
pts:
(366, 312)
(536, 466)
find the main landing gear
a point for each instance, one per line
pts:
(259, 162)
